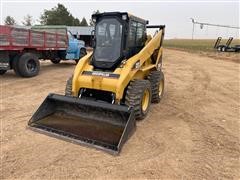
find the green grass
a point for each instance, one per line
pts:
(196, 44)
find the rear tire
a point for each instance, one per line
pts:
(157, 84)
(28, 65)
(138, 96)
(2, 72)
(68, 89)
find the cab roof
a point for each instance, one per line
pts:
(119, 14)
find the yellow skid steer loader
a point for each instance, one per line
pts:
(111, 87)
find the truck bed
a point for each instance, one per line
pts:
(12, 38)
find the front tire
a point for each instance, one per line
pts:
(138, 96)
(28, 65)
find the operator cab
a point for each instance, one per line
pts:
(118, 36)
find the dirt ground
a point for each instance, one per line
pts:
(192, 134)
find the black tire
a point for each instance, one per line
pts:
(28, 65)
(2, 72)
(157, 84)
(134, 97)
(56, 60)
(68, 89)
(83, 52)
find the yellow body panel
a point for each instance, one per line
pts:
(127, 71)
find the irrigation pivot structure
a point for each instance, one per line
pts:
(209, 24)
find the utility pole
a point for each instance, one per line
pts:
(210, 24)
(193, 24)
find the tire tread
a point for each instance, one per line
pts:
(134, 95)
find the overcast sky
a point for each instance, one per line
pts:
(175, 15)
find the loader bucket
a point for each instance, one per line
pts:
(101, 125)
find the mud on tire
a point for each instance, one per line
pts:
(134, 97)
(156, 77)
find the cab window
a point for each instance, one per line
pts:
(136, 34)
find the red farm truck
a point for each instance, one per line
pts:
(21, 49)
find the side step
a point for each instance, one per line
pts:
(97, 124)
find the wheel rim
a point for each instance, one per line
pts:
(160, 88)
(31, 65)
(145, 100)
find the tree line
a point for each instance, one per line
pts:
(58, 15)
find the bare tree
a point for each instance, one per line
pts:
(28, 20)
